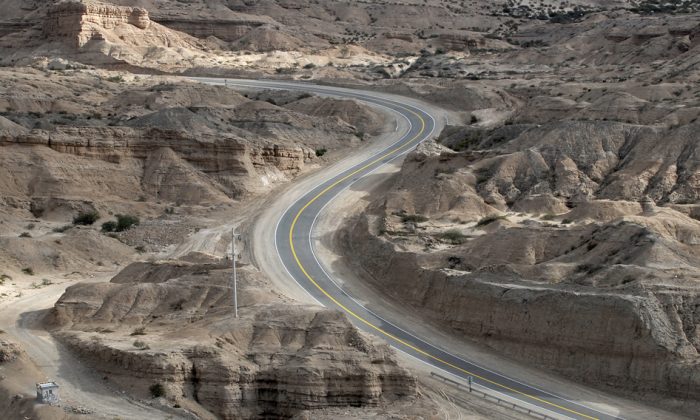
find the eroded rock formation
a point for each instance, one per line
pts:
(276, 359)
(76, 21)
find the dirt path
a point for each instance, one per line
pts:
(79, 385)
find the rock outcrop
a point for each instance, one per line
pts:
(276, 359)
(77, 21)
(570, 244)
(226, 166)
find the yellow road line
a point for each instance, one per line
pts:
(380, 330)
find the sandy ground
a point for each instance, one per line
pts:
(79, 385)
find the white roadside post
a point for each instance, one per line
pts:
(235, 283)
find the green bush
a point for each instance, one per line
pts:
(320, 152)
(126, 222)
(86, 218)
(157, 390)
(109, 226)
(25, 235)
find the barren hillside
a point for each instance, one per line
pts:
(555, 220)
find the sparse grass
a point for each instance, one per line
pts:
(139, 331)
(490, 219)
(453, 236)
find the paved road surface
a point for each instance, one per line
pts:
(296, 253)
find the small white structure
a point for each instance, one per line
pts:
(47, 393)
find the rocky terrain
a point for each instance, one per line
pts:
(276, 359)
(555, 219)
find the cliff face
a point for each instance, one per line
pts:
(276, 359)
(170, 160)
(77, 22)
(644, 339)
(571, 245)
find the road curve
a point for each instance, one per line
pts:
(294, 247)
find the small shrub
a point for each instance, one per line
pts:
(109, 226)
(30, 226)
(140, 249)
(490, 219)
(453, 236)
(62, 229)
(86, 219)
(140, 345)
(116, 79)
(177, 306)
(549, 216)
(28, 271)
(413, 218)
(139, 331)
(25, 235)
(46, 282)
(320, 152)
(157, 390)
(310, 66)
(474, 119)
(126, 222)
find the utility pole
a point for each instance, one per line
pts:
(235, 281)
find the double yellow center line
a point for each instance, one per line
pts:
(379, 329)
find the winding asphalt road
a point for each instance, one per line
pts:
(296, 253)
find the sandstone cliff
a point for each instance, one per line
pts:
(79, 22)
(276, 359)
(573, 245)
